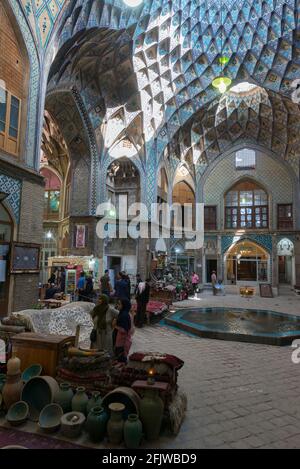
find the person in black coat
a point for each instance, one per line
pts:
(142, 299)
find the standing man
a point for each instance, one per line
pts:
(105, 284)
(214, 281)
(81, 287)
(142, 299)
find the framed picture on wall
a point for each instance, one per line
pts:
(25, 258)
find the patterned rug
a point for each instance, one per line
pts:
(10, 436)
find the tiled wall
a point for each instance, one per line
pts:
(273, 176)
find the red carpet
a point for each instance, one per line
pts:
(9, 436)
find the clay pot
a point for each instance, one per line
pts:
(39, 392)
(94, 401)
(64, 397)
(151, 413)
(13, 366)
(133, 431)
(115, 424)
(80, 401)
(96, 423)
(126, 396)
(72, 423)
(12, 389)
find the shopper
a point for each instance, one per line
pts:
(103, 316)
(105, 284)
(121, 287)
(214, 281)
(195, 282)
(81, 287)
(142, 299)
(124, 330)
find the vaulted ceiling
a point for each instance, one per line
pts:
(153, 67)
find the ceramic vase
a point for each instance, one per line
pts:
(115, 424)
(133, 431)
(96, 423)
(94, 401)
(64, 397)
(151, 413)
(80, 400)
(12, 389)
(13, 366)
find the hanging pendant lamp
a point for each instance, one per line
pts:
(222, 83)
(132, 3)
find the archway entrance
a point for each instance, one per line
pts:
(247, 262)
(6, 233)
(286, 264)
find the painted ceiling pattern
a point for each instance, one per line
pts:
(42, 15)
(176, 48)
(258, 117)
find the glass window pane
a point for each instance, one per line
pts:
(14, 117)
(54, 201)
(3, 101)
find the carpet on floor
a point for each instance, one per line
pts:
(9, 436)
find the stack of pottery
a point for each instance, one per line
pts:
(13, 386)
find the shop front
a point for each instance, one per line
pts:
(247, 262)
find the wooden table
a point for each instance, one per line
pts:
(45, 349)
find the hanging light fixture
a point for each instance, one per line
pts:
(133, 3)
(222, 82)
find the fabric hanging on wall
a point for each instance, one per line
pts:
(80, 236)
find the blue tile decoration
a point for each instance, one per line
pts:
(13, 188)
(32, 149)
(263, 240)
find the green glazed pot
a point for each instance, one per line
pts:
(80, 400)
(94, 401)
(64, 397)
(133, 431)
(96, 424)
(151, 413)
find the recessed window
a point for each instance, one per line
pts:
(210, 217)
(245, 159)
(9, 121)
(246, 207)
(285, 216)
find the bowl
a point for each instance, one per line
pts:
(17, 413)
(72, 423)
(39, 392)
(31, 372)
(50, 417)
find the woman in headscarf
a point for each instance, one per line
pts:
(103, 316)
(124, 330)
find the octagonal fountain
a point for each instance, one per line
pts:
(256, 326)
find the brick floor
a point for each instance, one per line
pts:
(239, 395)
